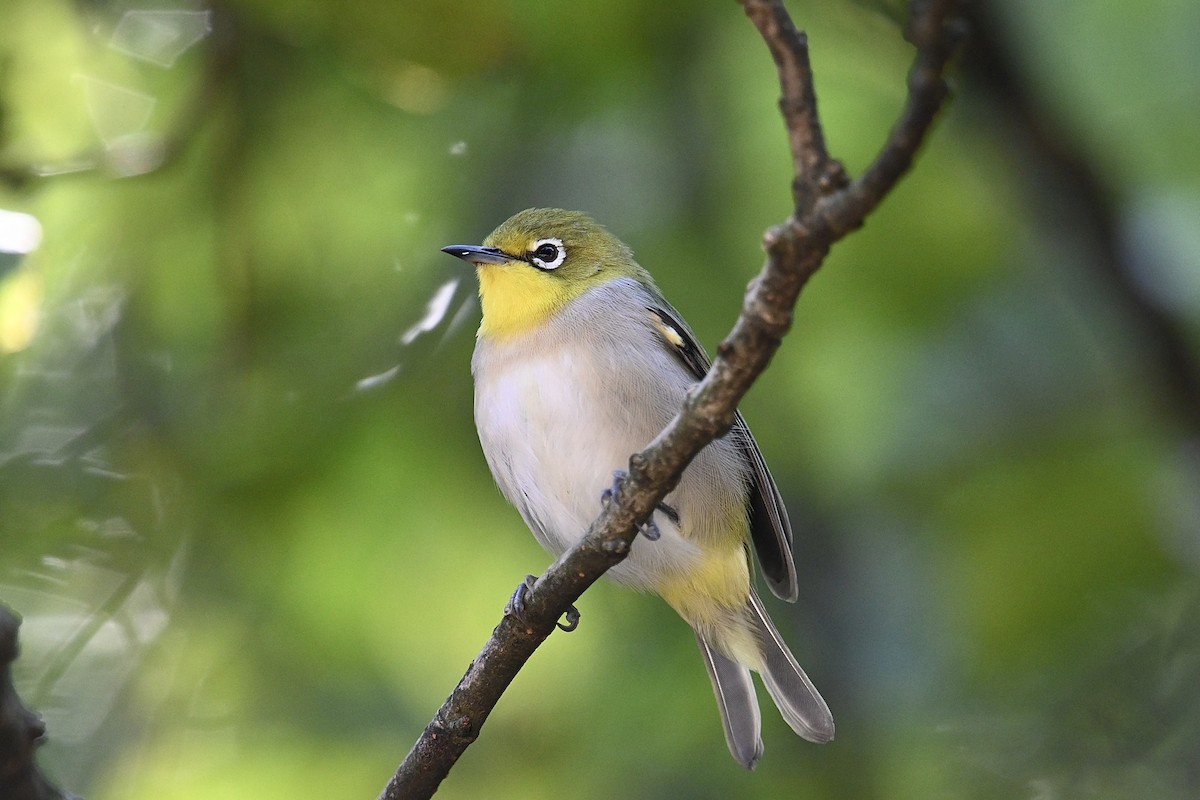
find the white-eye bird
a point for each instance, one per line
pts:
(579, 363)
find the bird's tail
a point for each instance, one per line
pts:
(796, 698)
(737, 703)
(794, 694)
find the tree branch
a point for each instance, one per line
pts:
(21, 730)
(936, 33)
(811, 163)
(828, 207)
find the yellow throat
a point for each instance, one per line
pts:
(537, 262)
(516, 299)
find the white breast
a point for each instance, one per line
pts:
(554, 424)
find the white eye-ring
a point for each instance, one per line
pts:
(548, 253)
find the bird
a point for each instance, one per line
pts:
(580, 362)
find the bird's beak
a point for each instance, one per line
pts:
(479, 255)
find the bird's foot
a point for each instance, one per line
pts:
(516, 606)
(608, 494)
(649, 528)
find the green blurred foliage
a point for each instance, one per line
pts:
(243, 511)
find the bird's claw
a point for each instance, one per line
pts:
(572, 615)
(608, 494)
(649, 528)
(516, 606)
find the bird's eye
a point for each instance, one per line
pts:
(548, 253)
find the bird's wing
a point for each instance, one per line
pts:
(769, 526)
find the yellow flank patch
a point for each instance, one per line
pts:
(713, 598)
(516, 297)
(719, 580)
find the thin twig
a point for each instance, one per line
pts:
(936, 35)
(827, 208)
(815, 171)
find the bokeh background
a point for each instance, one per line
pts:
(243, 510)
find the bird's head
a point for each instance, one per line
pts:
(537, 262)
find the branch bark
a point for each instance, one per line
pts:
(21, 730)
(827, 207)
